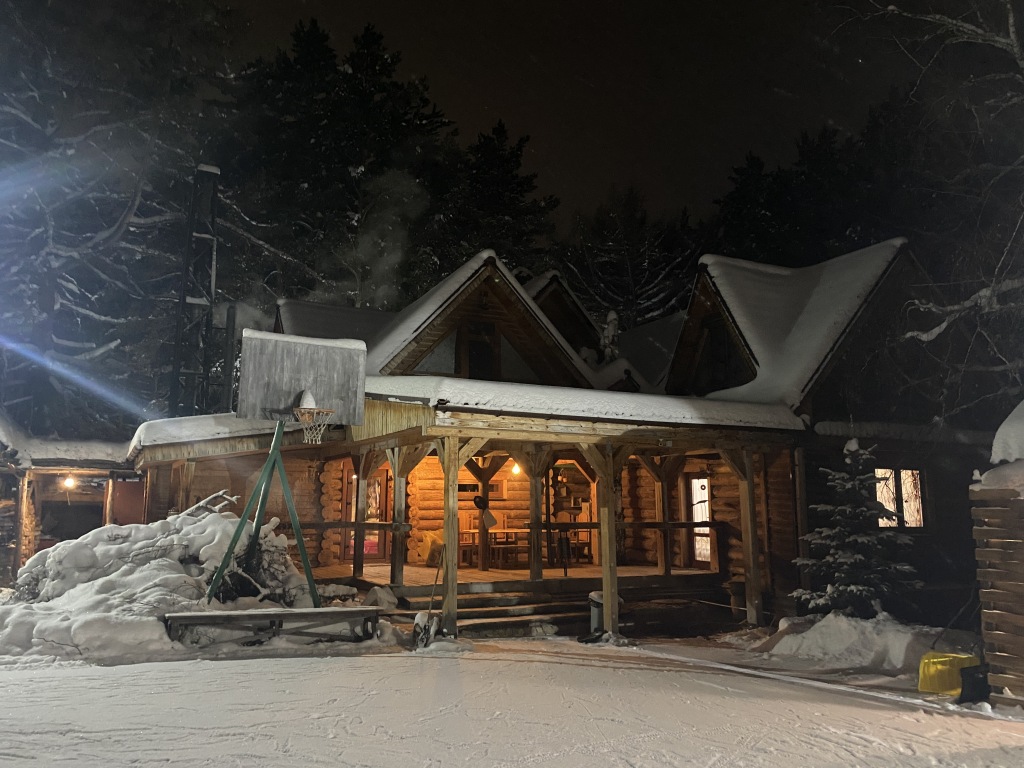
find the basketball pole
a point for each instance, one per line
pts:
(258, 498)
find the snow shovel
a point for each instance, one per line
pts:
(941, 672)
(425, 625)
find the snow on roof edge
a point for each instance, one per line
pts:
(192, 428)
(451, 394)
(252, 333)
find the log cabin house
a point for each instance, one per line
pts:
(593, 477)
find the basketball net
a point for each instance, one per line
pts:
(314, 422)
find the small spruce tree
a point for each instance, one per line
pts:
(853, 560)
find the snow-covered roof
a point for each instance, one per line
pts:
(792, 319)
(186, 429)
(404, 328)
(570, 403)
(1008, 444)
(36, 451)
(328, 321)
(921, 433)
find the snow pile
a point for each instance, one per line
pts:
(880, 645)
(1005, 477)
(99, 597)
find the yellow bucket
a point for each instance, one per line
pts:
(940, 672)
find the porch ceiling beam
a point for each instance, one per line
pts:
(638, 435)
(406, 437)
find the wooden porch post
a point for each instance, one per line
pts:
(182, 473)
(484, 473)
(359, 533)
(662, 472)
(742, 466)
(403, 460)
(369, 462)
(606, 462)
(535, 462)
(802, 525)
(452, 458)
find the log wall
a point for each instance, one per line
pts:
(425, 491)
(999, 542)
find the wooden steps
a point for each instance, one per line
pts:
(525, 614)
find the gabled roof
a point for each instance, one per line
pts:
(405, 339)
(328, 321)
(792, 320)
(560, 303)
(650, 346)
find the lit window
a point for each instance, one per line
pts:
(899, 491)
(700, 512)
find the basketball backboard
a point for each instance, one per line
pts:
(277, 369)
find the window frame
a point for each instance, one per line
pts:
(897, 471)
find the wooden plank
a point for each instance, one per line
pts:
(990, 513)
(1005, 642)
(1008, 571)
(1002, 619)
(998, 599)
(988, 555)
(1011, 589)
(991, 533)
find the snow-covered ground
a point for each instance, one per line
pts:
(507, 703)
(834, 692)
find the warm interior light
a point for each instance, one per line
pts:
(354, 477)
(70, 482)
(515, 469)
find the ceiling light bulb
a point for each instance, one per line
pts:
(69, 482)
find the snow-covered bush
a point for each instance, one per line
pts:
(854, 562)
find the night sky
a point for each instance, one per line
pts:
(663, 94)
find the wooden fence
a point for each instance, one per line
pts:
(999, 548)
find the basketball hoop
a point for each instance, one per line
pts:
(314, 422)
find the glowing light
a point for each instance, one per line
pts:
(515, 469)
(70, 482)
(355, 477)
(67, 372)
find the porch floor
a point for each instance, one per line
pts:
(421, 575)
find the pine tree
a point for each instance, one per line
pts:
(853, 557)
(621, 260)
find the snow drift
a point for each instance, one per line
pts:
(100, 597)
(881, 645)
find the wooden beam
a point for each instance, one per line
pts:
(663, 472)
(449, 449)
(403, 460)
(535, 462)
(751, 555)
(606, 461)
(359, 535)
(469, 450)
(484, 474)
(802, 527)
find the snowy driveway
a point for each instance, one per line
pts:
(508, 704)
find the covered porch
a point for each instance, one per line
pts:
(591, 501)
